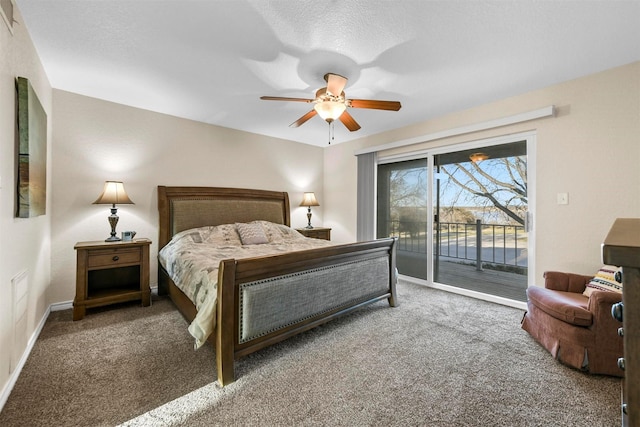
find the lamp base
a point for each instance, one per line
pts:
(309, 217)
(113, 221)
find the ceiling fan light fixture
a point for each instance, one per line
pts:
(330, 103)
(330, 110)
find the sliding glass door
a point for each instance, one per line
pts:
(402, 212)
(464, 218)
(480, 236)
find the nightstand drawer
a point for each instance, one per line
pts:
(111, 258)
(316, 232)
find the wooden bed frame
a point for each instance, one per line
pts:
(333, 273)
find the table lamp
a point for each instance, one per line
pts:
(308, 200)
(112, 194)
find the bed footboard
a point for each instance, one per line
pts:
(265, 300)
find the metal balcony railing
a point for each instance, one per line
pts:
(499, 244)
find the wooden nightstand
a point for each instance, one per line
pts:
(316, 232)
(111, 272)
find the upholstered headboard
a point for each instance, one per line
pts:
(182, 208)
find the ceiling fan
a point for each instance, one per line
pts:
(331, 103)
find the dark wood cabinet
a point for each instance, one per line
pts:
(111, 272)
(316, 232)
(622, 248)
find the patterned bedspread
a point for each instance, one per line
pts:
(192, 258)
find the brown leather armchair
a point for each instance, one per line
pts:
(578, 331)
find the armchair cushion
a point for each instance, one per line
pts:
(570, 307)
(568, 282)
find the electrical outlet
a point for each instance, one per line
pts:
(563, 198)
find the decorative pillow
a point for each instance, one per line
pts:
(279, 233)
(608, 278)
(251, 233)
(221, 235)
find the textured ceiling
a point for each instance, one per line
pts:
(210, 61)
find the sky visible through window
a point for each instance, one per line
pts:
(502, 180)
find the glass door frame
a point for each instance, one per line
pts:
(530, 138)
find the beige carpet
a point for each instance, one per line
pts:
(438, 359)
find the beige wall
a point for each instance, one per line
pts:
(24, 243)
(96, 140)
(590, 150)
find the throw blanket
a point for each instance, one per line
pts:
(192, 259)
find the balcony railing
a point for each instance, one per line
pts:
(500, 244)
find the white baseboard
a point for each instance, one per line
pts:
(59, 306)
(6, 391)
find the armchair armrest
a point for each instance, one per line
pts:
(566, 282)
(600, 302)
(604, 326)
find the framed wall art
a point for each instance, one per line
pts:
(6, 11)
(32, 152)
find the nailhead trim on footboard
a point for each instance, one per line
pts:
(272, 304)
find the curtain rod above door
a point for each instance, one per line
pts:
(548, 111)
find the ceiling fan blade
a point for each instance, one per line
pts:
(303, 119)
(349, 121)
(375, 105)
(278, 98)
(335, 83)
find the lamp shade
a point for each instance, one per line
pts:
(112, 194)
(309, 199)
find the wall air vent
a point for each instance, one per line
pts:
(6, 10)
(20, 297)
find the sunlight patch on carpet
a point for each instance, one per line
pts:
(178, 411)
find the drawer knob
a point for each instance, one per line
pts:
(115, 258)
(616, 311)
(624, 408)
(621, 363)
(621, 332)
